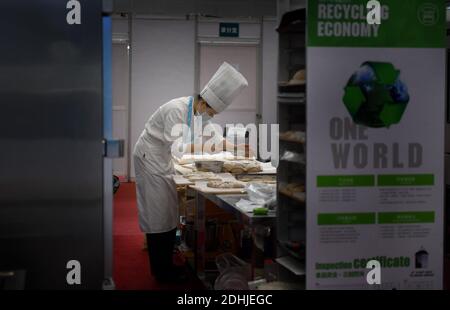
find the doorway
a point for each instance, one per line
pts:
(121, 106)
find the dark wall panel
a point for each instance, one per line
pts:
(50, 140)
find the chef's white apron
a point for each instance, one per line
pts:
(156, 193)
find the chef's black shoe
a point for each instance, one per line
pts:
(175, 276)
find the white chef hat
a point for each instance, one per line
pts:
(224, 87)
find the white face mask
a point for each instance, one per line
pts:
(205, 116)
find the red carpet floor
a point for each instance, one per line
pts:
(131, 267)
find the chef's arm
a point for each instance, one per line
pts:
(217, 147)
(192, 148)
(225, 145)
(231, 147)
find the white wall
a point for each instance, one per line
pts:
(120, 96)
(119, 25)
(269, 54)
(248, 29)
(163, 67)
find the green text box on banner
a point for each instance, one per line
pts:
(405, 180)
(405, 217)
(404, 23)
(346, 218)
(345, 180)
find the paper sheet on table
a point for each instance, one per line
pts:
(268, 168)
(185, 180)
(247, 205)
(190, 158)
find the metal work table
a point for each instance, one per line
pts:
(226, 202)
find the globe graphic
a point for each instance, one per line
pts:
(375, 96)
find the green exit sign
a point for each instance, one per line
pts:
(229, 30)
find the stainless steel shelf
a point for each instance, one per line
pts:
(286, 194)
(292, 264)
(291, 104)
(292, 141)
(281, 243)
(300, 95)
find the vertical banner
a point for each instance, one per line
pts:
(375, 145)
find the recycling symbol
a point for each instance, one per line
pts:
(375, 96)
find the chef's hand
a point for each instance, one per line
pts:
(244, 149)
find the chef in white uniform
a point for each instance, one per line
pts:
(156, 191)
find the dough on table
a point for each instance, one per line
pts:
(199, 176)
(202, 178)
(225, 184)
(239, 167)
(237, 170)
(253, 167)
